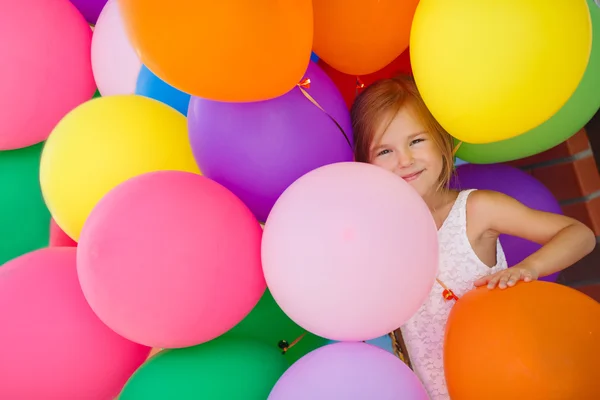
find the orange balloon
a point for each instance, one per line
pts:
(347, 84)
(534, 341)
(359, 37)
(238, 51)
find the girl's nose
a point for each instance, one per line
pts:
(405, 159)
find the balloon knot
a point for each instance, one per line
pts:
(305, 83)
(359, 83)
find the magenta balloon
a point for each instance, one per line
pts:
(90, 9)
(257, 150)
(53, 345)
(348, 370)
(517, 184)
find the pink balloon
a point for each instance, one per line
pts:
(350, 251)
(58, 238)
(53, 345)
(45, 68)
(115, 63)
(171, 259)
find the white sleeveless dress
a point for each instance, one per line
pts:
(459, 267)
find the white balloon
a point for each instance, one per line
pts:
(115, 63)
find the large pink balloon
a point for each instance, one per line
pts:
(52, 344)
(115, 63)
(45, 68)
(171, 259)
(350, 251)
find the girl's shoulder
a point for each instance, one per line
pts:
(481, 205)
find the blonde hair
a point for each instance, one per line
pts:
(380, 102)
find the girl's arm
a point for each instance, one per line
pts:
(565, 240)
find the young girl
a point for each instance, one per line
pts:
(394, 130)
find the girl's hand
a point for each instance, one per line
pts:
(508, 277)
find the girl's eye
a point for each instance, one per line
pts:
(382, 152)
(417, 141)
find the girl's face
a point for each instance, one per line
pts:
(406, 149)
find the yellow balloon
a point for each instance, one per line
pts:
(491, 70)
(101, 144)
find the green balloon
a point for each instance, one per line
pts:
(573, 116)
(24, 217)
(269, 324)
(224, 368)
(97, 94)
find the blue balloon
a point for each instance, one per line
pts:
(314, 57)
(152, 86)
(459, 162)
(383, 342)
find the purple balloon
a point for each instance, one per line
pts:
(90, 9)
(348, 370)
(258, 149)
(518, 185)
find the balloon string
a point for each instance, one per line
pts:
(306, 83)
(456, 148)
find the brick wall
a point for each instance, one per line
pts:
(570, 171)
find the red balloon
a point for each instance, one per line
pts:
(58, 238)
(350, 86)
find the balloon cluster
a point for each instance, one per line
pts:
(170, 132)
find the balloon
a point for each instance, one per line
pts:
(89, 8)
(349, 251)
(383, 342)
(256, 150)
(577, 112)
(24, 217)
(215, 50)
(492, 70)
(171, 259)
(152, 86)
(53, 345)
(154, 352)
(115, 63)
(349, 86)
(45, 70)
(537, 340)
(268, 324)
(514, 183)
(58, 238)
(458, 162)
(135, 133)
(349, 371)
(314, 57)
(233, 369)
(359, 37)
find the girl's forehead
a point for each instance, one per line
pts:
(399, 127)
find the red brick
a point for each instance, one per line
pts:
(591, 290)
(587, 212)
(583, 272)
(570, 180)
(575, 144)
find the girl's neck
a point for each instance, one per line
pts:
(438, 199)
(440, 203)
